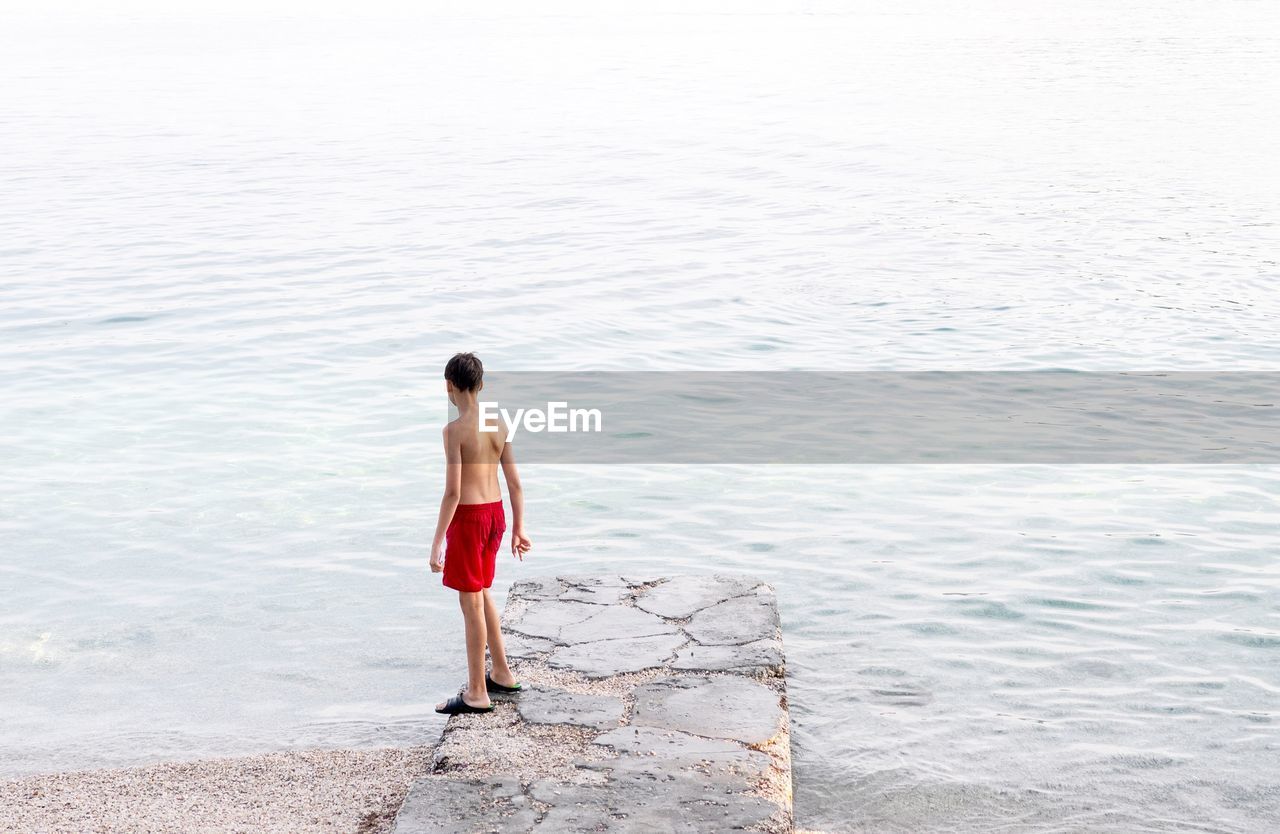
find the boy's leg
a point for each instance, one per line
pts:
(501, 672)
(472, 604)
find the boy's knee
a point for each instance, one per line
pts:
(470, 599)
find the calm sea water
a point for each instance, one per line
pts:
(237, 245)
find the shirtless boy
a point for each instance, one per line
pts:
(472, 523)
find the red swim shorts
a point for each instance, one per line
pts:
(471, 546)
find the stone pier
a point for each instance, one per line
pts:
(649, 704)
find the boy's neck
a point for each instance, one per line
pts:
(466, 402)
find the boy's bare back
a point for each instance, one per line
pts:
(479, 454)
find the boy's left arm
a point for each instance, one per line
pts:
(449, 501)
(520, 543)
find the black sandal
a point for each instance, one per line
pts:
(457, 706)
(493, 686)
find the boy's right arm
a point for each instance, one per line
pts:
(448, 501)
(520, 543)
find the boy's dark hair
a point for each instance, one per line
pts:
(465, 371)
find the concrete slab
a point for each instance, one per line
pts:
(749, 658)
(604, 658)
(716, 707)
(734, 772)
(547, 618)
(538, 587)
(557, 706)
(650, 704)
(601, 590)
(520, 647)
(736, 621)
(651, 741)
(614, 622)
(656, 747)
(437, 805)
(681, 598)
(653, 801)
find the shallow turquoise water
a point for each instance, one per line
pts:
(236, 252)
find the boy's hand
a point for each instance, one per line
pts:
(437, 558)
(520, 544)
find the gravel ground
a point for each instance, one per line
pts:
(354, 792)
(500, 744)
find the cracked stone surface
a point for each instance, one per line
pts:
(601, 590)
(577, 818)
(520, 647)
(650, 704)
(548, 618)
(678, 600)
(614, 622)
(735, 621)
(556, 706)
(635, 801)
(726, 773)
(604, 658)
(539, 587)
(734, 708)
(761, 654)
(644, 747)
(637, 579)
(435, 805)
(650, 741)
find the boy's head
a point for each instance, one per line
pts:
(464, 372)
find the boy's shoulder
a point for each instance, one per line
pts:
(457, 428)
(453, 429)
